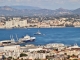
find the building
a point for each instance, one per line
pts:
(22, 23)
(16, 18)
(12, 51)
(8, 24)
(15, 23)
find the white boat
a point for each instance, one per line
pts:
(38, 33)
(7, 42)
(27, 38)
(33, 38)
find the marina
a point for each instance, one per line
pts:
(25, 39)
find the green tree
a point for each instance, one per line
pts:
(9, 58)
(68, 57)
(22, 54)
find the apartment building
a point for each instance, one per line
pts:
(12, 51)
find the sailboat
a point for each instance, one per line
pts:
(38, 33)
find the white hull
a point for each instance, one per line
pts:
(7, 42)
(27, 38)
(38, 33)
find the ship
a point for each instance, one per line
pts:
(27, 38)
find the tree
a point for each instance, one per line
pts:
(68, 57)
(73, 55)
(9, 58)
(22, 54)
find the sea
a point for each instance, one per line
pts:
(67, 35)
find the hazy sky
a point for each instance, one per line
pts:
(49, 4)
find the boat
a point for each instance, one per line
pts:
(38, 33)
(27, 38)
(33, 38)
(7, 42)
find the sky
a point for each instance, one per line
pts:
(48, 4)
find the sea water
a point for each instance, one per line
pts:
(67, 36)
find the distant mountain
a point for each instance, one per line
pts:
(25, 7)
(76, 11)
(34, 11)
(7, 8)
(62, 10)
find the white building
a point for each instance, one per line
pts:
(8, 24)
(55, 45)
(16, 23)
(35, 49)
(37, 56)
(23, 23)
(12, 51)
(16, 18)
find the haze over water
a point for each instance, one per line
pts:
(67, 36)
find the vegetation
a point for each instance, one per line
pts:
(22, 54)
(68, 57)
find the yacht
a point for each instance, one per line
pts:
(38, 33)
(27, 38)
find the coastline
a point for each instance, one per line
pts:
(37, 27)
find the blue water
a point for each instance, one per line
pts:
(52, 35)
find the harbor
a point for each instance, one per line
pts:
(39, 29)
(52, 35)
(25, 39)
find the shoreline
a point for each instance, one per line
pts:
(39, 28)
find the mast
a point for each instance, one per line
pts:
(16, 37)
(10, 37)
